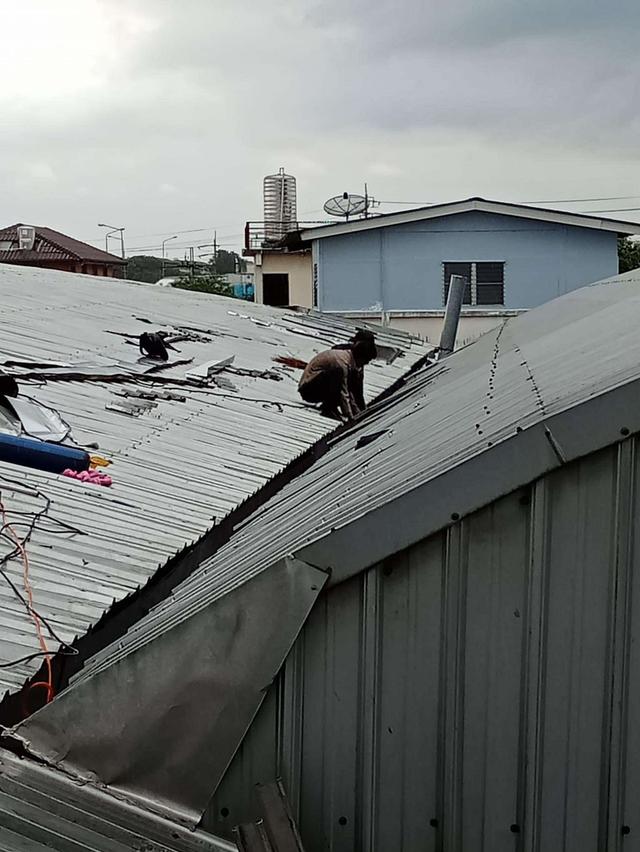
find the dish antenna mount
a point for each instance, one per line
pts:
(348, 204)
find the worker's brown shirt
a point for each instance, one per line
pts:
(342, 363)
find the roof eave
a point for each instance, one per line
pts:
(558, 217)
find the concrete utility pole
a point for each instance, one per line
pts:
(175, 237)
(214, 253)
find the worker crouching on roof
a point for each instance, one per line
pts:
(335, 378)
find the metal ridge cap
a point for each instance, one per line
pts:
(586, 427)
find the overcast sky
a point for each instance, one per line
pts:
(164, 115)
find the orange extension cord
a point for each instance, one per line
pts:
(48, 684)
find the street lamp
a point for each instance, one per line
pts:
(175, 237)
(113, 230)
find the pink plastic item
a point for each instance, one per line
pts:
(94, 477)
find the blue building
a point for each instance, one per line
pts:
(513, 256)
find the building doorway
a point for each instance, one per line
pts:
(275, 289)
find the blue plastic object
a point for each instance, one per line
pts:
(41, 455)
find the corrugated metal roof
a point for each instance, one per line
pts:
(532, 367)
(178, 466)
(549, 365)
(44, 809)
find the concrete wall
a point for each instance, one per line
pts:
(297, 265)
(428, 324)
(400, 267)
(478, 691)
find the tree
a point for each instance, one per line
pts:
(628, 254)
(229, 261)
(144, 267)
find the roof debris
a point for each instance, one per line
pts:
(184, 451)
(93, 477)
(288, 361)
(155, 345)
(132, 407)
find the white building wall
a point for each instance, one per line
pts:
(297, 265)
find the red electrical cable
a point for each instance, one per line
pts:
(48, 684)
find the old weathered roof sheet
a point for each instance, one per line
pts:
(178, 466)
(551, 359)
(525, 386)
(44, 809)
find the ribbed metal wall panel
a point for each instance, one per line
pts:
(475, 692)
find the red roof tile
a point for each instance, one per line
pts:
(52, 246)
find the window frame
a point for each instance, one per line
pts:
(473, 283)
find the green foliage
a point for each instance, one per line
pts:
(229, 261)
(143, 267)
(628, 254)
(209, 283)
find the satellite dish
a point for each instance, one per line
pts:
(346, 205)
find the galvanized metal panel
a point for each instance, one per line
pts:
(164, 740)
(497, 680)
(579, 593)
(41, 808)
(626, 781)
(497, 392)
(179, 467)
(331, 691)
(534, 369)
(495, 564)
(234, 802)
(404, 741)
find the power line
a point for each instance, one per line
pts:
(537, 201)
(210, 228)
(613, 210)
(174, 231)
(228, 240)
(581, 200)
(155, 246)
(414, 203)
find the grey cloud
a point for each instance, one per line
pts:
(325, 67)
(388, 25)
(436, 99)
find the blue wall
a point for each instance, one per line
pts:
(400, 267)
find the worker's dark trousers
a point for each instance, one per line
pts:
(324, 388)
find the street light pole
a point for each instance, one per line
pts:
(113, 230)
(175, 237)
(106, 239)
